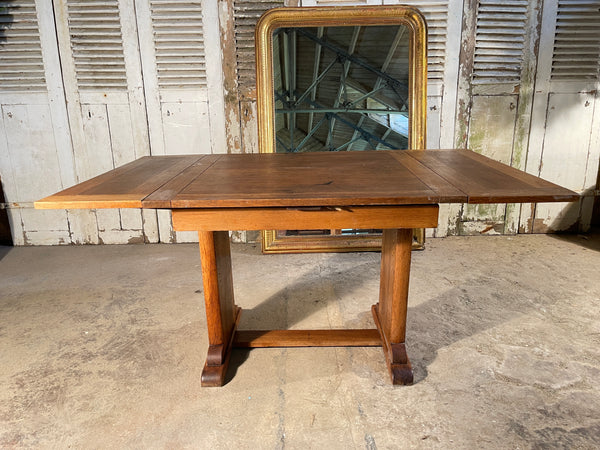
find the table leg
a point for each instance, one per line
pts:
(390, 312)
(222, 315)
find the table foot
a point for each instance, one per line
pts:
(397, 361)
(217, 359)
(401, 373)
(214, 376)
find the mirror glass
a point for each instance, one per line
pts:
(341, 88)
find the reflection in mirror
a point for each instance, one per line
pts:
(341, 88)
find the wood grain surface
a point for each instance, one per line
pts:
(123, 187)
(308, 179)
(487, 181)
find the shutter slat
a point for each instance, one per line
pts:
(21, 63)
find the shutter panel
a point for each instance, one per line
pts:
(96, 44)
(179, 44)
(21, 63)
(246, 14)
(499, 41)
(577, 41)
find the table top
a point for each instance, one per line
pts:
(308, 179)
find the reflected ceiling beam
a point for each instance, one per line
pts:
(375, 94)
(317, 64)
(385, 135)
(285, 147)
(314, 83)
(293, 52)
(348, 89)
(342, 88)
(289, 52)
(343, 146)
(309, 135)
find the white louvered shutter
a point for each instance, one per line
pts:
(182, 66)
(183, 79)
(21, 63)
(503, 33)
(35, 148)
(100, 60)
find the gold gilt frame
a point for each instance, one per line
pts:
(417, 84)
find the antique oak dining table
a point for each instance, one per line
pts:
(394, 191)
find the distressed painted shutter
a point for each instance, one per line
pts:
(496, 76)
(183, 79)
(103, 86)
(495, 94)
(35, 152)
(565, 132)
(245, 16)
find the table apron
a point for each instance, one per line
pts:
(379, 217)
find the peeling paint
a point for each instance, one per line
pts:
(230, 79)
(475, 228)
(467, 52)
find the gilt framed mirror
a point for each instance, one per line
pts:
(339, 79)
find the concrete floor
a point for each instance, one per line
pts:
(102, 347)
